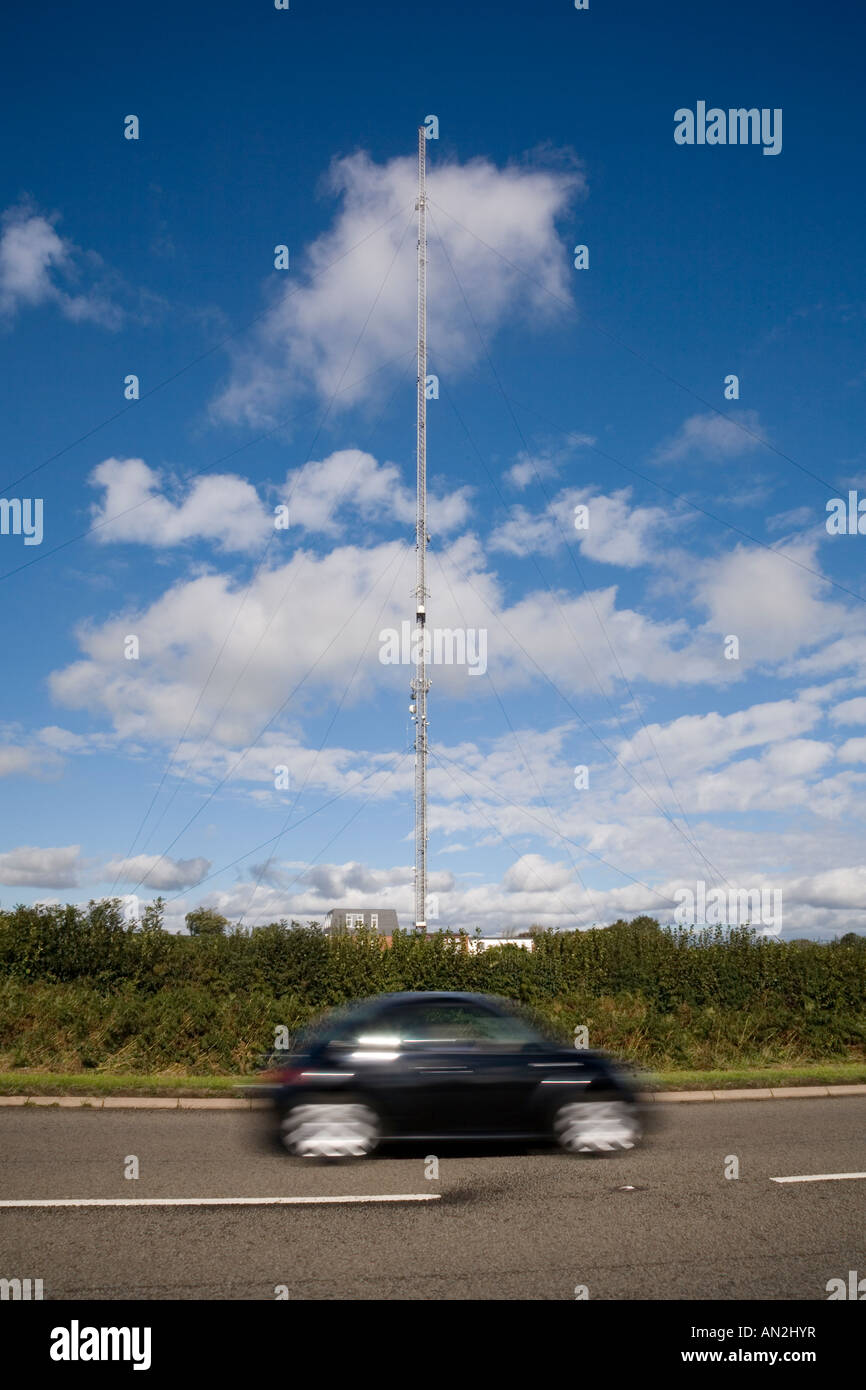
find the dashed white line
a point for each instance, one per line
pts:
(821, 1177)
(216, 1201)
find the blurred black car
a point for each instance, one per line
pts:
(426, 1066)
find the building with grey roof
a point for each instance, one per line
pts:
(380, 919)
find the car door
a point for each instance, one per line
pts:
(438, 1060)
(504, 1081)
(465, 1068)
(413, 1061)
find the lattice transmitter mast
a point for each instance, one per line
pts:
(420, 683)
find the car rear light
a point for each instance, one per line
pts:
(283, 1076)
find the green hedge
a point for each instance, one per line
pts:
(81, 988)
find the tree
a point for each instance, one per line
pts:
(151, 917)
(638, 926)
(647, 925)
(204, 921)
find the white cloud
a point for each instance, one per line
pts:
(850, 711)
(621, 825)
(826, 902)
(25, 761)
(139, 505)
(528, 468)
(14, 760)
(697, 741)
(524, 533)
(712, 436)
(157, 873)
(847, 651)
(306, 893)
(65, 741)
(351, 479)
(616, 534)
(796, 519)
(774, 608)
(573, 641)
(782, 778)
(292, 621)
(223, 509)
(312, 618)
(843, 887)
(342, 884)
(308, 336)
(35, 867)
(800, 757)
(33, 258)
(532, 873)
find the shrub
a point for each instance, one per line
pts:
(81, 987)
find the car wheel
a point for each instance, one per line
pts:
(330, 1129)
(597, 1127)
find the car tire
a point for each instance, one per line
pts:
(330, 1127)
(601, 1125)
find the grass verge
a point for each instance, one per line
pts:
(94, 1083)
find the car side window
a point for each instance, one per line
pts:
(507, 1030)
(367, 1030)
(436, 1024)
(453, 1025)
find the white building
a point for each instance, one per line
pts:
(484, 943)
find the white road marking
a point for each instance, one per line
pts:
(215, 1201)
(821, 1177)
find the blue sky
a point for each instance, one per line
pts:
(604, 388)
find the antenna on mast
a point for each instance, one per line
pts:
(420, 684)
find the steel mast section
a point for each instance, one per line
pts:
(420, 684)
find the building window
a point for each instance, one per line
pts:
(374, 921)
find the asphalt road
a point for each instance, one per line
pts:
(661, 1223)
